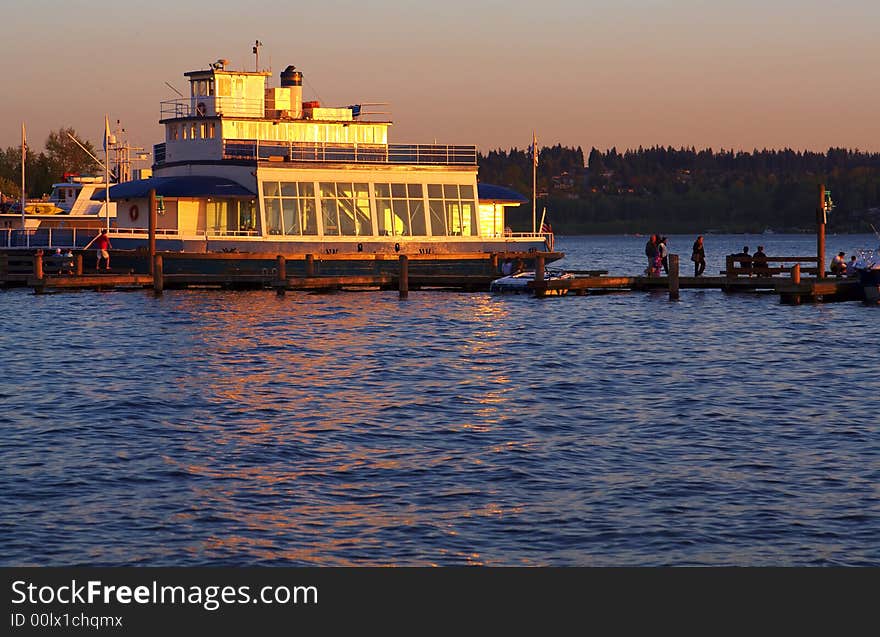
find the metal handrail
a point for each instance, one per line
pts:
(419, 154)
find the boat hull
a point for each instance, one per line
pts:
(870, 282)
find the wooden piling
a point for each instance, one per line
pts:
(796, 273)
(38, 265)
(152, 228)
(78, 260)
(404, 276)
(820, 234)
(310, 265)
(540, 290)
(158, 275)
(282, 274)
(673, 277)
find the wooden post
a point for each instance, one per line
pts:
(673, 277)
(494, 262)
(152, 228)
(310, 265)
(158, 276)
(38, 265)
(404, 276)
(79, 263)
(539, 275)
(282, 274)
(731, 264)
(820, 234)
(796, 273)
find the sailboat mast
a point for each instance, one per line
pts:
(23, 159)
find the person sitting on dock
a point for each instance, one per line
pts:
(838, 264)
(519, 266)
(745, 261)
(507, 267)
(759, 263)
(851, 266)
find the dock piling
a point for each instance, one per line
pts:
(78, 260)
(310, 265)
(673, 277)
(158, 275)
(38, 265)
(404, 276)
(539, 276)
(282, 274)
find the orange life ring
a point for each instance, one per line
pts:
(133, 213)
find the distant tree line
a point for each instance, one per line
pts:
(61, 155)
(684, 190)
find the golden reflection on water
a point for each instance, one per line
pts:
(276, 372)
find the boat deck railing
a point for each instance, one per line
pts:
(325, 152)
(419, 154)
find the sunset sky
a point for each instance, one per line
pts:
(707, 73)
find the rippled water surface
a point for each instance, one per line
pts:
(242, 428)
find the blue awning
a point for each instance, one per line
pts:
(185, 186)
(493, 194)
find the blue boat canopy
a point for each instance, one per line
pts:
(184, 186)
(491, 193)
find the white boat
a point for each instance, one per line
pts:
(247, 167)
(519, 283)
(867, 268)
(68, 218)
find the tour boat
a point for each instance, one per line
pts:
(246, 167)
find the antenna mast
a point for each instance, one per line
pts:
(257, 45)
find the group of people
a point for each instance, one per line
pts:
(657, 252)
(753, 263)
(658, 255)
(839, 266)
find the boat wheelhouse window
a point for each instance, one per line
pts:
(224, 88)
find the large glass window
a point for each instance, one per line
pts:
(231, 216)
(345, 209)
(290, 208)
(452, 210)
(400, 210)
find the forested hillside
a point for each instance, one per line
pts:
(685, 190)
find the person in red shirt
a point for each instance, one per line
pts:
(102, 246)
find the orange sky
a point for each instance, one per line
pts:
(741, 75)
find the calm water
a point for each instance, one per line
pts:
(224, 428)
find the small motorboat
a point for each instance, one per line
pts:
(519, 283)
(867, 268)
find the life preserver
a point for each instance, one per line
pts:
(133, 213)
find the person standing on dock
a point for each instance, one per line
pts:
(652, 254)
(663, 252)
(699, 257)
(102, 247)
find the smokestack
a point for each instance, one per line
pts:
(292, 79)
